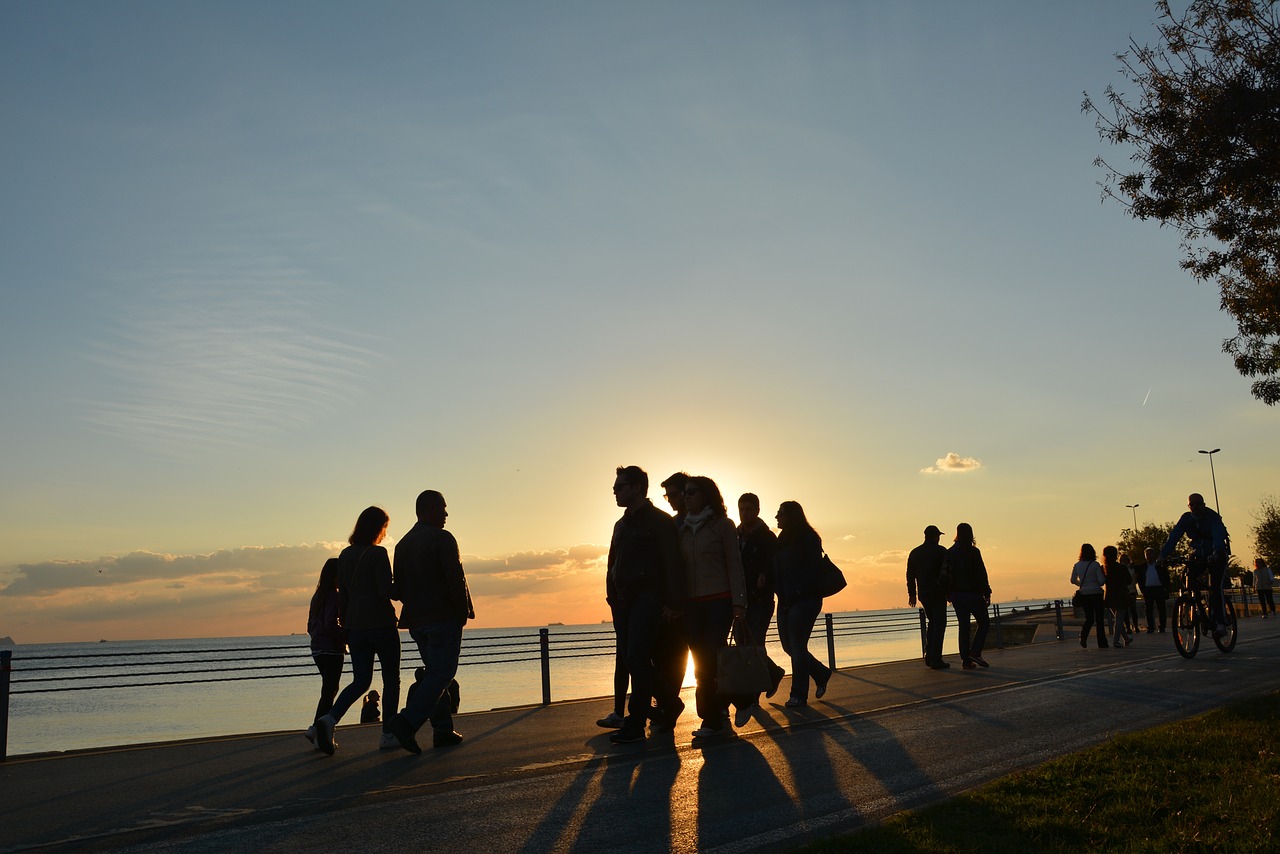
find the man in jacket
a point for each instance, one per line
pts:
(645, 585)
(1153, 578)
(1209, 548)
(437, 604)
(924, 570)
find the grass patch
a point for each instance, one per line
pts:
(1211, 783)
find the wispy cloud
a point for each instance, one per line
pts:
(953, 463)
(221, 353)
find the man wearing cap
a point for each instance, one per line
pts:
(924, 571)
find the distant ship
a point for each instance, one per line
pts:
(555, 624)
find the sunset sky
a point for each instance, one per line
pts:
(265, 264)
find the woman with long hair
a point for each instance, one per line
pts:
(364, 597)
(717, 595)
(328, 640)
(1089, 577)
(970, 594)
(798, 564)
(1116, 598)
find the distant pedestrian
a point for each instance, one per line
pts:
(1263, 582)
(1087, 574)
(365, 593)
(757, 544)
(799, 573)
(1131, 615)
(970, 593)
(1153, 579)
(924, 582)
(1116, 597)
(369, 711)
(328, 640)
(437, 604)
(717, 592)
(647, 581)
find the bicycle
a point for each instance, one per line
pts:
(1193, 616)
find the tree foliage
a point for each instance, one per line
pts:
(1266, 530)
(1204, 129)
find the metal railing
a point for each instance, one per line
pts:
(86, 671)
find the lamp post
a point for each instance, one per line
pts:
(1134, 508)
(1215, 479)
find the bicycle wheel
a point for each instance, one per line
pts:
(1227, 642)
(1186, 629)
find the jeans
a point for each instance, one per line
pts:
(1154, 597)
(971, 605)
(1093, 611)
(439, 644)
(706, 626)
(637, 632)
(1266, 599)
(758, 616)
(795, 626)
(330, 667)
(935, 615)
(364, 645)
(621, 678)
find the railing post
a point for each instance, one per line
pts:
(831, 643)
(999, 629)
(1057, 608)
(6, 666)
(924, 640)
(544, 641)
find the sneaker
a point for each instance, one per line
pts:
(388, 741)
(1084, 642)
(664, 719)
(743, 715)
(1220, 631)
(628, 735)
(820, 689)
(613, 720)
(445, 738)
(708, 731)
(982, 662)
(311, 734)
(776, 675)
(324, 734)
(970, 664)
(796, 702)
(939, 665)
(404, 733)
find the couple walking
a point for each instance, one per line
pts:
(936, 575)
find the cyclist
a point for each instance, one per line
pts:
(1209, 549)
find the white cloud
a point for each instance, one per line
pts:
(953, 463)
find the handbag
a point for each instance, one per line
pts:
(830, 579)
(741, 667)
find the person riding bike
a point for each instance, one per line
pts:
(1209, 550)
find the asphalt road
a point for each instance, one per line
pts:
(886, 738)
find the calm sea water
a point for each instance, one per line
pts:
(131, 692)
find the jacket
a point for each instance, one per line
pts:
(712, 560)
(1088, 576)
(798, 565)
(1118, 581)
(429, 578)
(965, 572)
(757, 544)
(644, 557)
(364, 588)
(924, 571)
(323, 623)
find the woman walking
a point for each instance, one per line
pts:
(364, 590)
(1089, 577)
(799, 566)
(717, 595)
(328, 640)
(1116, 598)
(970, 594)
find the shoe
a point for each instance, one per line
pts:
(776, 675)
(628, 735)
(970, 664)
(404, 733)
(1150, 630)
(445, 738)
(1160, 630)
(664, 719)
(388, 741)
(1221, 630)
(311, 734)
(1103, 645)
(743, 716)
(939, 665)
(982, 662)
(796, 702)
(613, 720)
(324, 734)
(820, 689)
(1127, 640)
(708, 731)
(1084, 642)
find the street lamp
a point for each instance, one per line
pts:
(1215, 479)
(1134, 508)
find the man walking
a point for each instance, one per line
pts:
(924, 570)
(671, 653)
(646, 585)
(437, 604)
(1153, 578)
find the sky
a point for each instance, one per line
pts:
(265, 265)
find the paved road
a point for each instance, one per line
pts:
(886, 738)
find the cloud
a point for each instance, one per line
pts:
(953, 463)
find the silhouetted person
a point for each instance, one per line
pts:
(646, 581)
(1209, 551)
(924, 582)
(970, 593)
(437, 604)
(671, 655)
(1153, 578)
(798, 564)
(1263, 582)
(1116, 597)
(365, 592)
(369, 711)
(328, 640)
(758, 545)
(1087, 574)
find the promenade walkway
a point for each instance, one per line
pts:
(885, 738)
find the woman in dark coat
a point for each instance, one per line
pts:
(970, 594)
(1116, 599)
(798, 562)
(328, 640)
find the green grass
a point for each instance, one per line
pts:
(1211, 784)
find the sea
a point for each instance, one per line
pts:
(75, 696)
